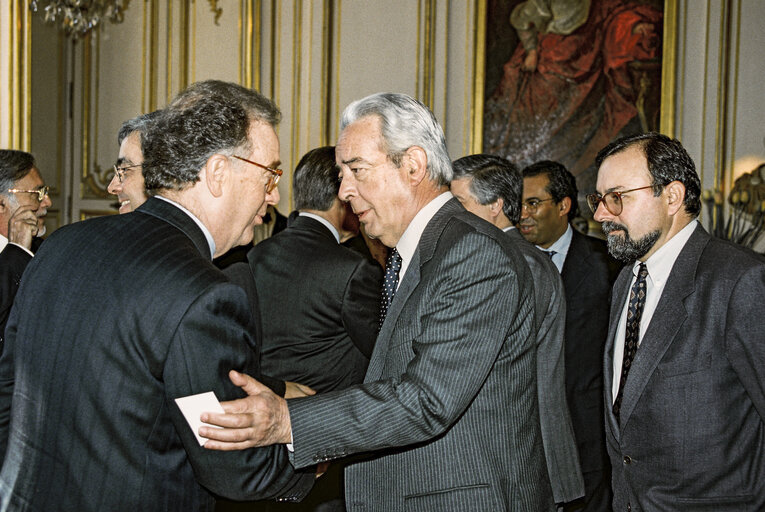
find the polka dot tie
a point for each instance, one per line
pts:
(392, 268)
(632, 335)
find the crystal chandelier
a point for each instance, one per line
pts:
(78, 17)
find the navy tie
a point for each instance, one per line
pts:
(632, 334)
(392, 268)
(550, 253)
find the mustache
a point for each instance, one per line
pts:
(609, 226)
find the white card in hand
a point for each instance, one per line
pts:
(193, 406)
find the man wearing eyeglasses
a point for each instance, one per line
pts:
(549, 205)
(491, 187)
(24, 203)
(118, 317)
(127, 183)
(685, 387)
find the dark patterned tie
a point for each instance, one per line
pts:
(392, 268)
(550, 253)
(632, 334)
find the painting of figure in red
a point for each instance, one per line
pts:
(576, 74)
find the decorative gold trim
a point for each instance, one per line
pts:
(297, 63)
(680, 104)
(722, 94)
(193, 41)
(734, 107)
(183, 45)
(241, 43)
(309, 74)
(479, 70)
(154, 57)
(704, 98)
(19, 77)
(10, 73)
(169, 52)
(429, 54)
(217, 11)
(326, 66)
(337, 67)
(90, 214)
(446, 60)
(466, 123)
(94, 177)
(63, 92)
(256, 35)
(144, 106)
(27, 143)
(417, 81)
(668, 63)
(245, 28)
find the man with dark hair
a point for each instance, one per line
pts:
(447, 416)
(119, 316)
(329, 295)
(127, 182)
(685, 425)
(549, 204)
(24, 203)
(491, 187)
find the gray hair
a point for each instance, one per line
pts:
(491, 178)
(138, 124)
(405, 122)
(14, 165)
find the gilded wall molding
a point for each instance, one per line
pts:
(94, 178)
(19, 42)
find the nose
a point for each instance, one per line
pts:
(46, 202)
(601, 213)
(115, 186)
(524, 212)
(273, 196)
(347, 188)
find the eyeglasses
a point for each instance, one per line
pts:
(273, 178)
(119, 171)
(612, 200)
(41, 192)
(532, 205)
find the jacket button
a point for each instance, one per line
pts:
(627, 459)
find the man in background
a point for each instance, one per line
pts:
(549, 203)
(119, 316)
(24, 203)
(319, 301)
(491, 187)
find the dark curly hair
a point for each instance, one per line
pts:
(315, 184)
(561, 182)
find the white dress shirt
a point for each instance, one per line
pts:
(411, 237)
(324, 221)
(659, 268)
(560, 247)
(4, 242)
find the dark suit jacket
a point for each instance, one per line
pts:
(115, 318)
(588, 274)
(449, 403)
(13, 261)
(319, 305)
(692, 425)
(557, 432)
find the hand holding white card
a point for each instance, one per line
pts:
(193, 406)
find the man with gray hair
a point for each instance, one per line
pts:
(127, 182)
(24, 203)
(122, 319)
(491, 187)
(448, 409)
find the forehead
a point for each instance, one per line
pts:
(130, 149)
(265, 143)
(624, 170)
(360, 140)
(32, 180)
(535, 186)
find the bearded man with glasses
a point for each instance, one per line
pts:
(24, 203)
(685, 406)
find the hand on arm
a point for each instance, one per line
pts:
(260, 419)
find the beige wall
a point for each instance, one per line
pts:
(65, 101)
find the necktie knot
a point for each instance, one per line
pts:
(550, 253)
(390, 281)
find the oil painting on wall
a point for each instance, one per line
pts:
(565, 77)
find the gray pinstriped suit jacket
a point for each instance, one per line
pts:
(449, 404)
(557, 432)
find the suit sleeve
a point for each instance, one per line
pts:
(214, 337)
(13, 261)
(464, 324)
(745, 334)
(361, 306)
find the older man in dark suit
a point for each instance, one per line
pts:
(685, 390)
(491, 187)
(448, 410)
(24, 203)
(549, 205)
(117, 317)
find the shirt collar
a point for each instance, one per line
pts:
(562, 244)
(3, 242)
(411, 237)
(324, 221)
(205, 231)
(660, 264)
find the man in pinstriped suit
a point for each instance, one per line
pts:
(447, 415)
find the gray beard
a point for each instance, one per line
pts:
(624, 248)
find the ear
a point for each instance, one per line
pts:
(675, 193)
(215, 173)
(564, 207)
(496, 207)
(415, 163)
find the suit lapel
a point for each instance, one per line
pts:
(425, 249)
(577, 265)
(619, 293)
(670, 314)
